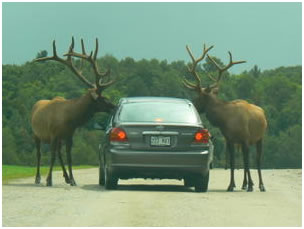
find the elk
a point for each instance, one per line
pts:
(54, 121)
(239, 121)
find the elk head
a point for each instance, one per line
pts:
(102, 104)
(206, 94)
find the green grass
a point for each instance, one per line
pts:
(10, 172)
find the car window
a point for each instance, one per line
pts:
(109, 122)
(158, 112)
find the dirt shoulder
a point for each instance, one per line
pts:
(150, 203)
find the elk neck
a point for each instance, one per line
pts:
(215, 111)
(82, 109)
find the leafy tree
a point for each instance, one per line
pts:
(277, 91)
(208, 66)
(9, 147)
(255, 71)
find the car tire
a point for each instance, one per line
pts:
(101, 180)
(110, 181)
(188, 182)
(101, 176)
(201, 184)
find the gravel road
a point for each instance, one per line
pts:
(150, 203)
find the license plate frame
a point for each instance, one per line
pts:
(160, 141)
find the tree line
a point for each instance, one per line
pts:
(277, 91)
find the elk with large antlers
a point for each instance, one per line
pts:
(56, 120)
(239, 121)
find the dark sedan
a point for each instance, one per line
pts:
(158, 138)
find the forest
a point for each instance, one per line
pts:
(278, 91)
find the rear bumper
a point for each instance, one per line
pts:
(127, 164)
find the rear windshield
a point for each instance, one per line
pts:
(158, 112)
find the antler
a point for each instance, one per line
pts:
(223, 69)
(192, 70)
(92, 59)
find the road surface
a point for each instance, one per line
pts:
(150, 203)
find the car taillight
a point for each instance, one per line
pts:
(118, 135)
(202, 136)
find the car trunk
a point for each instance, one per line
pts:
(160, 137)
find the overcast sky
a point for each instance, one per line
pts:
(265, 34)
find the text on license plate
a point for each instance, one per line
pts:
(160, 141)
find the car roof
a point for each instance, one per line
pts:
(152, 99)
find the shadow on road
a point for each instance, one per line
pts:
(137, 187)
(152, 188)
(124, 187)
(140, 187)
(24, 185)
(29, 185)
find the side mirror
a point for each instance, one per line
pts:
(97, 126)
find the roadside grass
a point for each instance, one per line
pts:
(10, 172)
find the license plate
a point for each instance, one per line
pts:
(160, 141)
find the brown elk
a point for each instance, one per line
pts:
(56, 120)
(239, 121)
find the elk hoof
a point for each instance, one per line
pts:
(37, 180)
(49, 182)
(67, 180)
(73, 183)
(244, 187)
(250, 189)
(230, 188)
(262, 188)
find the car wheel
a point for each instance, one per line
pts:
(188, 182)
(101, 171)
(201, 184)
(110, 181)
(101, 175)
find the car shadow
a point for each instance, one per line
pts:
(137, 187)
(152, 188)
(124, 187)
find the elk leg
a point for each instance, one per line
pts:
(245, 183)
(65, 175)
(226, 157)
(232, 162)
(38, 177)
(54, 147)
(245, 149)
(69, 144)
(259, 146)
